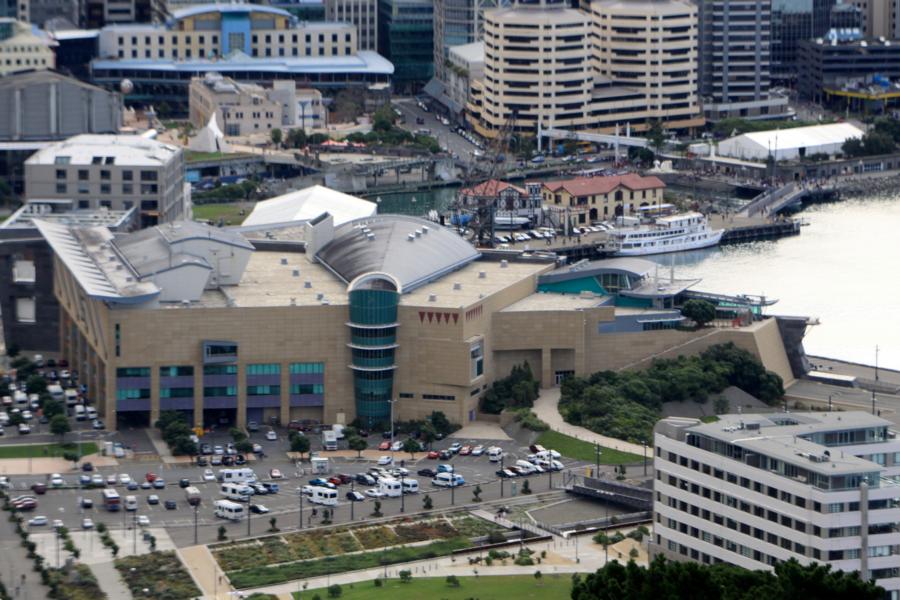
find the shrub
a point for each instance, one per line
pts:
(526, 489)
(453, 581)
(405, 576)
(527, 419)
(223, 533)
(378, 582)
(335, 590)
(496, 537)
(427, 503)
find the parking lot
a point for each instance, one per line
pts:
(66, 503)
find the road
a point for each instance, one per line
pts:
(64, 503)
(445, 134)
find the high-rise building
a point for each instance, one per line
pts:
(794, 21)
(457, 22)
(734, 60)
(15, 9)
(98, 13)
(361, 13)
(625, 63)
(406, 38)
(755, 490)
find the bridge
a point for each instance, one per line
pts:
(614, 140)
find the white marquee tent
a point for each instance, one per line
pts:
(786, 144)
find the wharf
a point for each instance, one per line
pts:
(760, 231)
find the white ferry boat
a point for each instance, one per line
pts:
(675, 233)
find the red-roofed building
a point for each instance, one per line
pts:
(589, 199)
(507, 199)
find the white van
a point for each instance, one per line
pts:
(448, 480)
(71, 396)
(80, 413)
(192, 495)
(131, 503)
(242, 475)
(56, 392)
(410, 486)
(236, 491)
(20, 398)
(91, 413)
(323, 495)
(390, 487)
(495, 454)
(229, 510)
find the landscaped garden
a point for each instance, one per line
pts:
(581, 450)
(160, 573)
(46, 450)
(78, 584)
(278, 558)
(501, 587)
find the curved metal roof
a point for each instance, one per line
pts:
(412, 250)
(203, 9)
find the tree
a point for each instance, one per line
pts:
(405, 576)
(12, 350)
(376, 512)
(276, 137)
(71, 456)
(296, 138)
(411, 446)
(244, 446)
(428, 433)
(299, 443)
(537, 577)
(452, 581)
(441, 423)
(427, 503)
(223, 533)
(603, 539)
(476, 494)
(237, 434)
(35, 384)
(335, 591)
(721, 405)
(633, 553)
(357, 443)
(59, 425)
(656, 135)
(383, 119)
(52, 408)
(699, 311)
(273, 524)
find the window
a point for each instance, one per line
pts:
(127, 176)
(264, 369)
(105, 189)
(180, 371)
(133, 372)
(118, 339)
(127, 188)
(177, 392)
(219, 352)
(25, 312)
(437, 397)
(476, 354)
(407, 395)
(226, 391)
(60, 188)
(263, 390)
(60, 173)
(148, 176)
(82, 174)
(306, 368)
(23, 271)
(308, 388)
(104, 174)
(220, 370)
(133, 394)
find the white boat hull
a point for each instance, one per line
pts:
(676, 244)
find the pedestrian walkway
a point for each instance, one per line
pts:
(110, 581)
(546, 407)
(523, 525)
(16, 568)
(206, 572)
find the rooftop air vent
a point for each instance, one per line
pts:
(411, 237)
(129, 279)
(504, 263)
(418, 232)
(457, 285)
(482, 274)
(325, 302)
(432, 297)
(370, 237)
(293, 302)
(425, 229)
(186, 303)
(320, 296)
(307, 284)
(284, 261)
(295, 273)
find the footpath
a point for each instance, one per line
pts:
(16, 568)
(546, 407)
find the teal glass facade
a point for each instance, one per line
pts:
(373, 334)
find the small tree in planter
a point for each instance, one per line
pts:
(537, 577)
(272, 524)
(405, 576)
(427, 503)
(476, 494)
(453, 581)
(526, 489)
(377, 512)
(223, 533)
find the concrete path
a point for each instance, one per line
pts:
(46, 466)
(481, 430)
(547, 409)
(110, 581)
(206, 572)
(16, 568)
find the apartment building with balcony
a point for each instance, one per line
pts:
(757, 489)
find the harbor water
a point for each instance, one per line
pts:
(841, 269)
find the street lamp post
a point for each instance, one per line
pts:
(550, 473)
(353, 502)
(876, 362)
(402, 496)
(501, 477)
(391, 403)
(452, 491)
(300, 493)
(645, 457)
(873, 402)
(134, 534)
(248, 519)
(597, 448)
(196, 512)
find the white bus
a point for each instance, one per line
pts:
(111, 500)
(323, 495)
(392, 488)
(410, 486)
(56, 392)
(71, 396)
(236, 491)
(232, 511)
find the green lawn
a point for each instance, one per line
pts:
(499, 587)
(573, 448)
(42, 450)
(229, 212)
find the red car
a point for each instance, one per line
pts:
(465, 450)
(434, 454)
(335, 480)
(344, 477)
(151, 477)
(386, 445)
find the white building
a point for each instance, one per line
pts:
(24, 47)
(363, 14)
(788, 144)
(753, 490)
(465, 64)
(295, 208)
(116, 172)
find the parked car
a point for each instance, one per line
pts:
(427, 472)
(505, 473)
(152, 499)
(228, 461)
(84, 480)
(124, 478)
(208, 475)
(446, 455)
(151, 477)
(170, 504)
(478, 450)
(319, 481)
(434, 454)
(258, 509)
(444, 468)
(355, 497)
(216, 460)
(335, 480)
(56, 480)
(218, 449)
(87, 523)
(111, 480)
(39, 488)
(133, 485)
(465, 451)
(271, 435)
(159, 483)
(257, 449)
(146, 485)
(184, 482)
(385, 460)
(365, 479)
(275, 474)
(239, 460)
(397, 446)
(344, 478)
(202, 461)
(384, 446)
(87, 467)
(38, 521)
(252, 426)
(143, 521)
(205, 449)
(455, 447)
(374, 493)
